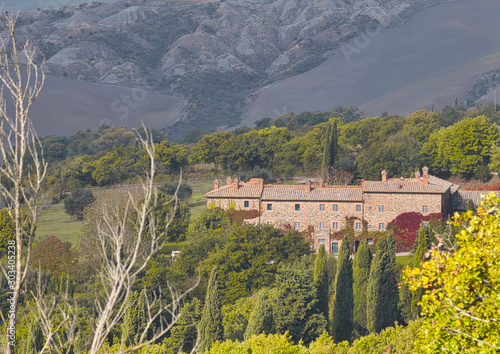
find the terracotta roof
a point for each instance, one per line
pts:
(331, 193)
(245, 190)
(461, 198)
(402, 186)
(256, 189)
(443, 183)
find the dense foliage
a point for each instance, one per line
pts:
(76, 203)
(272, 292)
(461, 285)
(458, 140)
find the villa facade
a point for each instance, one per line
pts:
(324, 209)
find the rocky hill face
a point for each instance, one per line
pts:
(211, 54)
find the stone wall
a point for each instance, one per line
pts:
(310, 213)
(394, 204)
(237, 203)
(376, 210)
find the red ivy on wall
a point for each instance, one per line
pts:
(406, 226)
(482, 187)
(238, 216)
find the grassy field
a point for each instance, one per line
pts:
(53, 221)
(404, 260)
(198, 203)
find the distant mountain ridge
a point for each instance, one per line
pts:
(25, 5)
(212, 55)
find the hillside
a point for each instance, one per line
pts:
(449, 52)
(212, 55)
(24, 5)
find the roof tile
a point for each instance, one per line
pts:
(402, 186)
(245, 190)
(337, 193)
(461, 198)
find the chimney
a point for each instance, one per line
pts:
(237, 183)
(308, 185)
(425, 175)
(216, 184)
(417, 175)
(384, 176)
(228, 179)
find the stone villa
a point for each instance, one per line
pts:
(325, 208)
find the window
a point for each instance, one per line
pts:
(424, 208)
(321, 225)
(335, 225)
(358, 207)
(297, 207)
(369, 241)
(321, 241)
(322, 207)
(381, 226)
(369, 227)
(297, 225)
(380, 208)
(370, 208)
(335, 207)
(246, 203)
(269, 207)
(358, 225)
(269, 222)
(335, 247)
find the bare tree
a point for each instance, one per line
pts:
(123, 240)
(21, 85)
(123, 248)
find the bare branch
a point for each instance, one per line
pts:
(18, 140)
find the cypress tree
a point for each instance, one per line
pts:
(211, 319)
(425, 240)
(134, 319)
(361, 272)
(405, 301)
(183, 335)
(321, 281)
(343, 302)
(34, 342)
(333, 144)
(470, 205)
(294, 303)
(382, 294)
(261, 317)
(327, 148)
